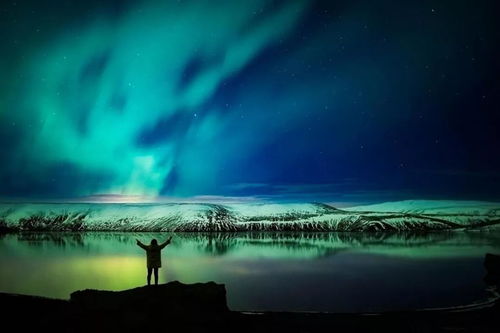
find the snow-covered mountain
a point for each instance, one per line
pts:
(432, 207)
(416, 215)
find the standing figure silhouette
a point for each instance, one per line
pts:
(153, 253)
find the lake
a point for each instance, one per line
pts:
(334, 272)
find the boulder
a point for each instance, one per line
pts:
(492, 265)
(169, 299)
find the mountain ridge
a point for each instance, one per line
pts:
(411, 215)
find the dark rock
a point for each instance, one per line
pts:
(492, 265)
(170, 298)
(202, 307)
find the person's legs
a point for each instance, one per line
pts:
(156, 275)
(149, 276)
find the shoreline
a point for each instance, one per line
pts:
(203, 306)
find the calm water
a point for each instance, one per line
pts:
(338, 272)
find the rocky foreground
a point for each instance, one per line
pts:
(202, 307)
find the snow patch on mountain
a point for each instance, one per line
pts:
(415, 215)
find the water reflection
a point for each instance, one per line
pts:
(262, 271)
(300, 245)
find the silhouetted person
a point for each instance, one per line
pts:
(153, 252)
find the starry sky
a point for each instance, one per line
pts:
(348, 101)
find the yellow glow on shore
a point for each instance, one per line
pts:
(63, 276)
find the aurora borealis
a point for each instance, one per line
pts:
(328, 100)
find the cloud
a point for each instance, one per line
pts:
(118, 198)
(346, 192)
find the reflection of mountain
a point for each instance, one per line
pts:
(266, 244)
(55, 239)
(325, 244)
(401, 216)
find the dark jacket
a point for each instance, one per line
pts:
(153, 253)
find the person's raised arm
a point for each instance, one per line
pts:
(138, 242)
(162, 245)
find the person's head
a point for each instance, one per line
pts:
(154, 242)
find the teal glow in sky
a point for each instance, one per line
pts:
(336, 100)
(93, 91)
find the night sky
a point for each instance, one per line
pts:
(345, 101)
